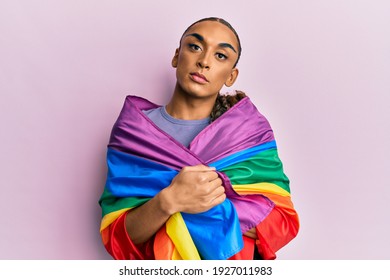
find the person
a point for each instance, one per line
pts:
(200, 177)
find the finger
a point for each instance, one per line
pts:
(199, 167)
(212, 175)
(219, 191)
(216, 182)
(207, 178)
(212, 189)
(218, 200)
(251, 233)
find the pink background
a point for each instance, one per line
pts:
(319, 70)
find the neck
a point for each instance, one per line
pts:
(187, 107)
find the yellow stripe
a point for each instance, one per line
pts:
(176, 255)
(111, 217)
(180, 236)
(260, 188)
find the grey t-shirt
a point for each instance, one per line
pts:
(182, 130)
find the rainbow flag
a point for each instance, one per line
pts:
(142, 160)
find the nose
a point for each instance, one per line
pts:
(203, 61)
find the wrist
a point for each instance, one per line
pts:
(166, 202)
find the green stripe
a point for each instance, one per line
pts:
(110, 203)
(263, 167)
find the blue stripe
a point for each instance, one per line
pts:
(130, 175)
(242, 155)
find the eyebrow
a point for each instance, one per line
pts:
(201, 39)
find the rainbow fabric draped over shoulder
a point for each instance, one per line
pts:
(142, 160)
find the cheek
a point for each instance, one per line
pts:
(184, 59)
(223, 75)
(181, 64)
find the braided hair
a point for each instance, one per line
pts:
(224, 102)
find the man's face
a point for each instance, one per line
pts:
(205, 59)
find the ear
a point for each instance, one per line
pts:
(175, 58)
(232, 77)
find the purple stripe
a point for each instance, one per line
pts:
(251, 210)
(244, 128)
(246, 204)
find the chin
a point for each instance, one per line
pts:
(196, 91)
(197, 94)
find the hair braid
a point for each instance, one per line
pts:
(224, 102)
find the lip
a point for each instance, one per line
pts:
(199, 78)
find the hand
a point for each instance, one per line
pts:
(251, 233)
(194, 190)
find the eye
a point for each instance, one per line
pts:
(194, 47)
(221, 56)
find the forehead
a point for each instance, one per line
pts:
(213, 32)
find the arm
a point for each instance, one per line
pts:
(195, 189)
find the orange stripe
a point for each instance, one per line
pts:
(282, 201)
(163, 246)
